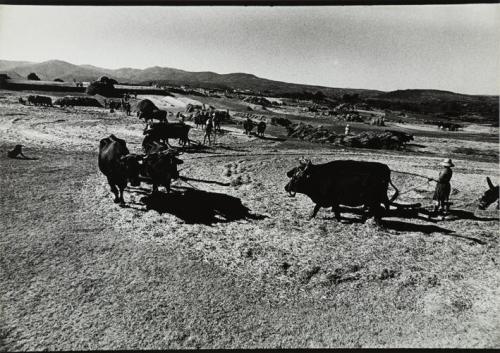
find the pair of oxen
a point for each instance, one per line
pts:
(121, 167)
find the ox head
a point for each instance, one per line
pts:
(300, 177)
(132, 165)
(489, 196)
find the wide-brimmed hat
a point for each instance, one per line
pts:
(447, 163)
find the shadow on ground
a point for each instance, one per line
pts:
(198, 206)
(268, 138)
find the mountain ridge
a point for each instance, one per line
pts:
(52, 69)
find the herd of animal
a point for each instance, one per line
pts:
(341, 182)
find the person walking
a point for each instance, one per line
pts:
(443, 187)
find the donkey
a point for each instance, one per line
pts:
(489, 196)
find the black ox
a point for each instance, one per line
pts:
(118, 165)
(343, 182)
(161, 167)
(164, 131)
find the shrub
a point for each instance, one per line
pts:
(33, 77)
(105, 88)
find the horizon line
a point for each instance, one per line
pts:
(245, 73)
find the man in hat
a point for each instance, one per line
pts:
(443, 187)
(17, 151)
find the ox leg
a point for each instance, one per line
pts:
(121, 200)
(376, 211)
(314, 211)
(336, 210)
(114, 190)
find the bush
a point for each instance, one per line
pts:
(105, 88)
(33, 77)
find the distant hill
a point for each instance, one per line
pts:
(52, 69)
(416, 100)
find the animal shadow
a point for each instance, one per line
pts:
(462, 214)
(412, 227)
(198, 206)
(25, 158)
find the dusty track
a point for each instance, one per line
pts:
(236, 266)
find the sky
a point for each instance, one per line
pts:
(448, 47)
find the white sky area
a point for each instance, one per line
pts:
(450, 47)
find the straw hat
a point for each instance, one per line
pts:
(447, 163)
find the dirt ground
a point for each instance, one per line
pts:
(229, 260)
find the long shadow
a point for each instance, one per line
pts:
(462, 214)
(412, 227)
(228, 148)
(198, 206)
(204, 181)
(415, 145)
(26, 158)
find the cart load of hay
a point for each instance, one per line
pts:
(388, 139)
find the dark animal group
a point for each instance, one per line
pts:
(37, 100)
(158, 165)
(249, 124)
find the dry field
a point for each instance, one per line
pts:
(229, 260)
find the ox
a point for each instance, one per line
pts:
(248, 125)
(343, 182)
(118, 165)
(161, 168)
(157, 114)
(489, 196)
(261, 127)
(164, 131)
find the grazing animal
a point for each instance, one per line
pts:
(157, 114)
(161, 168)
(163, 131)
(114, 105)
(118, 165)
(261, 127)
(22, 101)
(40, 100)
(343, 182)
(248, 125)
(145, 108)
(16, 152)
(489, 196)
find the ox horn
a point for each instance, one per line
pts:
(490, 184)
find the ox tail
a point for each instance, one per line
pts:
(396, 194)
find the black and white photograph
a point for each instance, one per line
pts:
(221, 176)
